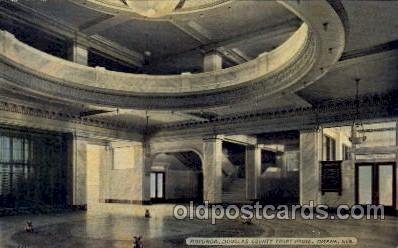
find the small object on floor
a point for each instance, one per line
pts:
(29, 226)
(246, 219)
(147, 214)
(137, 242)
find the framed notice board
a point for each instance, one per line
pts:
(331, 178)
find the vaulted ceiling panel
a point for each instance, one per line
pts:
(158, 37)
(371, 23)
(378, 74)
(240, 17)
(65, 11)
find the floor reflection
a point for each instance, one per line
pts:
(77, 229)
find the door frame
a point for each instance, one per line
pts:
(375, 182)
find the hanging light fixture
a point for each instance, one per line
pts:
(357, 137)
(146, 130)
(147, 52)
(152, 8)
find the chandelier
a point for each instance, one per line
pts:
(152, 8)
(357, 137)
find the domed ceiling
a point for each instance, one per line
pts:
(154, 8)
(304, 57)
(177, 43)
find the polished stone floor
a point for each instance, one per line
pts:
(78, 229)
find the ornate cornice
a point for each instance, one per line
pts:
(337, 112)
(57, 115)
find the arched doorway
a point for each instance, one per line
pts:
(176, 177)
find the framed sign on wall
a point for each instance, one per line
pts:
(331, 176)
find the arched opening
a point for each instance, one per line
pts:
(176, 177)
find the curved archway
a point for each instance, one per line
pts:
(176, 176)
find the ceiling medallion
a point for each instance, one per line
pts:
(152, 8)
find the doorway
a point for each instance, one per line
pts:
(376, 184)
(157, 187)
(176, 177)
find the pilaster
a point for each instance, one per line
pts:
(253, 171)
(78, 53)
(310, 151)
(212, 170)
(212, 62)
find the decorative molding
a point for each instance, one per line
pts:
(376, 150)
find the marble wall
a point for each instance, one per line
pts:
(124, 183)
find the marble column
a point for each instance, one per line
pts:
(78, 53)
(212, 170)
(253, 171)
(310, 156)
(212, 61)
(147, 162)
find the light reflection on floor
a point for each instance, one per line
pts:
(77, 229)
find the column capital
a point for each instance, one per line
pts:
(81, 42)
